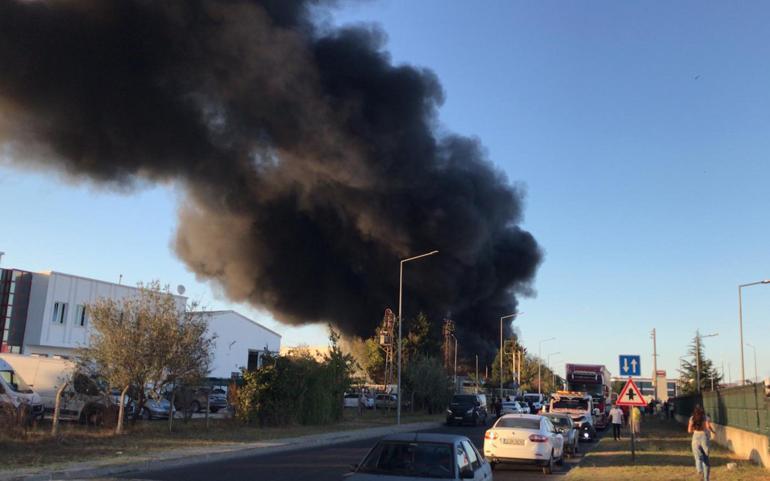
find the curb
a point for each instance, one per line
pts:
(258, 449)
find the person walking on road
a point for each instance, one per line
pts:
(616, 416)
(700, 427)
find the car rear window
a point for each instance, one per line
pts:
(422, 460)
(463, 399)
(521, 423)
(559, 421)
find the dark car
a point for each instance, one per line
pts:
(466, 409)
(194, 400)
(422, 456)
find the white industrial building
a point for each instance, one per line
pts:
(44, 313)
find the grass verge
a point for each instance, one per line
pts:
(37, 449)
(663, 454)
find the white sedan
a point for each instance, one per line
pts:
(511, 407)
(524, 439)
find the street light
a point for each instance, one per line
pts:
(540, 361)
(400, 322)
(756, 375)
(553, 372)
(509, 316)
(698, 337)
(740, 320)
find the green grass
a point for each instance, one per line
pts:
(36, 449)
(663, 454)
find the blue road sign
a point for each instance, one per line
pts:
(630, 365)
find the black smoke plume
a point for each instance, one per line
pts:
(311, 162)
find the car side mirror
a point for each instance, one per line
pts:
(466, 473)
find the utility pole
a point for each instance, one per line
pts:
(654, 365)
(477, 373)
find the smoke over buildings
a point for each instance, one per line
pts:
(311, 163)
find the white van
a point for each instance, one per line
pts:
(14, 391)
(82, 400)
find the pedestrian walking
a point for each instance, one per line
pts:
(700, 427)
(665, 408)
(636, 421)
(616, 416)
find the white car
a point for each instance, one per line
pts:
(352, 400)
(511, 407)
(524, 439)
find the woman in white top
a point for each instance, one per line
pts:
(700, 427)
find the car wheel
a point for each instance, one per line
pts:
(195, 406)
(214, 410)
(548, 468)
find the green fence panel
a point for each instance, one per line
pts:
(744, 407)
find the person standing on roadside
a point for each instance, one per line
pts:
(700, 427)
(636, 421)
(616, 416)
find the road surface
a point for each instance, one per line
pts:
(330, 463)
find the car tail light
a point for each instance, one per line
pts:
(538, 438)
(490, 435)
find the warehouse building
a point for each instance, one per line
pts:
(44, 313)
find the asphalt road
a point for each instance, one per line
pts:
(330, 464)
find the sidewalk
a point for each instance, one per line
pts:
(184, 457)
(663, 454)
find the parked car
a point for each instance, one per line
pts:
(129, 403)
(524, 439)
(385, 401)
(156, 408)
(422, 456)
(567, 428)
(511, 407)
(195, 399)
(466, 408)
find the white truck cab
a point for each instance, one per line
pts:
(14, 391)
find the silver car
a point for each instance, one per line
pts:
(564, 425)
(416, 456)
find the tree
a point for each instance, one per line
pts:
(511, 350)
(426, 379)
(688, 373)
(145, 342)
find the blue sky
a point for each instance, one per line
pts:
(640, 131)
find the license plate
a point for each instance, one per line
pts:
(513, 441)
(459, 417)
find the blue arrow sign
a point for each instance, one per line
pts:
(630, 365)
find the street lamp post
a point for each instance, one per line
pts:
(740, 320)
(698, 337)
(455, 337)
(548, 365)
(540, 361)
(509, 316)
(400, 322)
(756, 375)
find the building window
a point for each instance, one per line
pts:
(59, 312)
(81, 315)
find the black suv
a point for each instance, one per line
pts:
(466, 408)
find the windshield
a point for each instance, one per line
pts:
(532, 397)
(424, 460)
(15, 382)
(580, 404)
(595, 390)
(559, 421)
(463, 399)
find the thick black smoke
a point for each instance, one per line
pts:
(312, 163)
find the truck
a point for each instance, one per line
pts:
(579, 406)
(593, 379)
(82, 400)
(14, 392)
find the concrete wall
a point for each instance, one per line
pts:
(43, 336)
(745, 444)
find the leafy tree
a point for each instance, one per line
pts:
(374, 362)
(688, 373)
(426, 379)
(145, 342)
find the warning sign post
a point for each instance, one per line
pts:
(631, 396)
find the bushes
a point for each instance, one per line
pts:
(427, 381)
(295, 389)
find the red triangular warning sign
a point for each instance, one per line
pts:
(630, 395)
